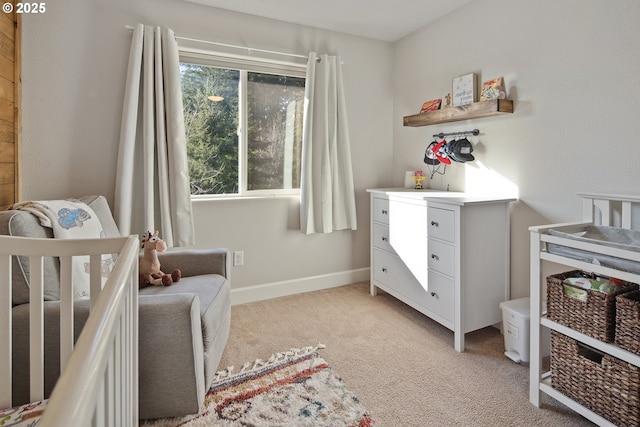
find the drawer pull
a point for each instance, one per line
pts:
(433, 294)
(384, 212)
(384, 239)
(434, 256)
(435, 224)
(384, 270)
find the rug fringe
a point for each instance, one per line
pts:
(276, 357)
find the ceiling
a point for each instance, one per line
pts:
(386, 20)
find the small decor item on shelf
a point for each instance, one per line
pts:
(446, 101)
(418, 178)
(465, 90)
(492, 89)
(431, 106)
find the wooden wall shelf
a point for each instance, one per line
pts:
(472, 111)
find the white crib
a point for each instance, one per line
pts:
(98, 385)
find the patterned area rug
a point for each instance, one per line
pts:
(293, 388)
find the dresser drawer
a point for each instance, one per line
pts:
(381, 237)
(441, 257)
(391, 272)
(440, 224)
(441, 296)
(381, 210)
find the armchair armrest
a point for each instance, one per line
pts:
(171, 355)
(195, 262)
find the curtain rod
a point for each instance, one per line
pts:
(249, 49)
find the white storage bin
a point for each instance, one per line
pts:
(515, 327)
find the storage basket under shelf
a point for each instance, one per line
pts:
(595, 317)
(605, 384)
(628, 321)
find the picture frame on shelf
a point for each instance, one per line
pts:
(465, 90)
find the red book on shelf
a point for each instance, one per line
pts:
(431, 106)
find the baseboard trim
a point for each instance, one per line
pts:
(297, 286)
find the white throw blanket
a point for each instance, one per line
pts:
(69, 219)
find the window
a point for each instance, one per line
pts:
(243, 123)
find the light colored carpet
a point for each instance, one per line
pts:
(400, 364)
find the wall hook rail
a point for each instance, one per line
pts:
(474, 132)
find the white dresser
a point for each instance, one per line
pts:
(446, 254)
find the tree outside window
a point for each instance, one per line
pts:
(222, 158)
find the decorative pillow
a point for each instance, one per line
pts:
(101, 208)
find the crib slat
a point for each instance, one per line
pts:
(113, 379)
(134, 359)
(5, 332)
(100, 411)
(587, 208)
(66, 311)
(626, 215)
(114, 399)
(128, 365)
(95, 280)
(124, 374)
(605, 211)
(36, 328)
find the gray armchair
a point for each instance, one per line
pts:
(183, 327)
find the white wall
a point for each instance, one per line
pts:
(573, 69)
(74, 63)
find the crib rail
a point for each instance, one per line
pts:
(610, 209)
(99, 377)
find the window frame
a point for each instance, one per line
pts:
(244, 65)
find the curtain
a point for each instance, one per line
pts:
(327, 198)
(152, 178)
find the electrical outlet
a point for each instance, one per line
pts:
(238, 258)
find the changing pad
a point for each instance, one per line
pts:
(601, 235)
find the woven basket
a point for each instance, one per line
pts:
(628, 321)
(606, 385)
(595, 317)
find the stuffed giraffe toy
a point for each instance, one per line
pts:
(150, 273)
